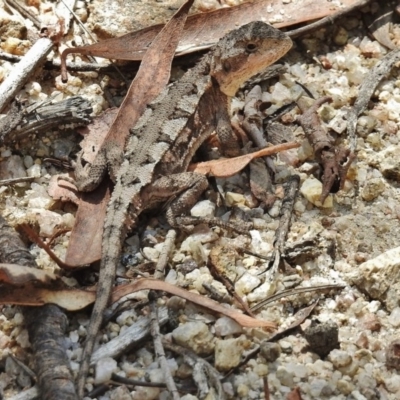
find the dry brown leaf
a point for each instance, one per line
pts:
(299, 318)
(84, 245)
(203, 30)
(30, 295)
(85, 241)
(152, 77)
(30, 287)
(26, 286)
(17, 275)
(225, 167)
(153, 284)
(294, 394)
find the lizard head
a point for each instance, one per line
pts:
(246, 51)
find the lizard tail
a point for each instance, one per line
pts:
(113, 236)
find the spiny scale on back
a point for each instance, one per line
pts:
(236, 57)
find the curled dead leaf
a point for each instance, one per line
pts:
(153, 284)
(225, 167)
(17, 275)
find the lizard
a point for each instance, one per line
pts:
(152, 167)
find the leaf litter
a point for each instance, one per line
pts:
(348, 234)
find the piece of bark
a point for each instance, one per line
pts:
(159, 349)
(204, 374)
(133, 335)
(39, 118)
(46, 327)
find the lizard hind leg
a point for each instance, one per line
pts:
(89, 175)
(187, 188)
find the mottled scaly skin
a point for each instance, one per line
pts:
(153, 165)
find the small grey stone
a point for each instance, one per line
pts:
(270, 351)
(284, 376)
(322, 337)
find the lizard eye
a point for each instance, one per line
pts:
(226, 66)
(251, 47)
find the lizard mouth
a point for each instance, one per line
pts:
(255, 58)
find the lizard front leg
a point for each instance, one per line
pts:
(187, 188)
(229, 142)
(89, 175)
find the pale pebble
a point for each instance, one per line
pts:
(262, 291)
(48, 221)
(204, 209)
(226, 326)
(339, 358)
(105, 367)
(284, 376)
(246, 283)
(228, 352)
(311, 189)
(196, 336)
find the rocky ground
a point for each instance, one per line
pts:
(355, 236)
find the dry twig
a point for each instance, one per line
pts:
(330, 19)
(23, 70)
(334, 160)
(284, 223)
(367, 89)
(159, 350)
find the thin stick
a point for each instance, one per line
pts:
(23, 11)
(13, 181)
(284, 223)
(23, 70)
(78, 21)
(204, 374)
(160, 353)
(164, 255)
(366, 90)
(330, 19)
